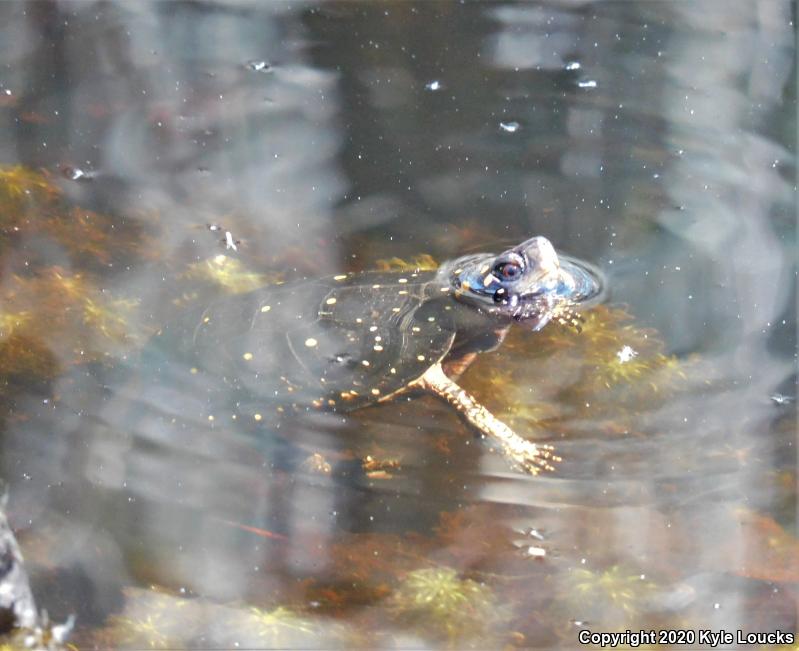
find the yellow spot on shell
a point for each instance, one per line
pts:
(375, 392)
(375, 286)
(416, 329)
(331, 301)
(395, 309)
(378, 347)
(372, 328)
(257, 417)
(311, 342)
(365, 362)
(403, 280)
(247, 356)
(339, 277)
(420, 358)
(402, 292)
(393, 371)
(194, 371)
(211, 418)
(206, 319)
(359, 320)
(266, 308)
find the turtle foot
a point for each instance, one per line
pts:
(527, 456)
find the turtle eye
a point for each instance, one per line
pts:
(508, 270)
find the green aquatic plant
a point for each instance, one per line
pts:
(440, 603)
(90, 322)
(614, 595)
(230, 274)
(422, 262)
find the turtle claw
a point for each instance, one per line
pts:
(530, 457)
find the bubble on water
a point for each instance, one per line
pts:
(434, 85)
(573, 65)
(781, 399)
(510, 127)
(258, 66)
(588, 83)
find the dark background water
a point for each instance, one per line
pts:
(656, 140)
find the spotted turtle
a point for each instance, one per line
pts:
(343, 342)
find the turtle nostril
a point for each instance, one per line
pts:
(501, 295)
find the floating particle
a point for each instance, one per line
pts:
(258, 66)
(230, 243)
(626, 354)
(588, 83)
(509, 127)
(434, 85)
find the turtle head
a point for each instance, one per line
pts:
(526, 283)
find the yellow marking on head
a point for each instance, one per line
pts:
(378, 347)
(365, 362)
(375, 392)
(311, 342)
(331, 301)
(375, 286)
(465, 286)
(259, 417)
(402, 292)
(211, 418)
(393, 371)
(339, 277)
(266, 308)
(420, 358)
(490, 278)
(247, 356)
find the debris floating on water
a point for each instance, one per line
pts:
(258, 66)
(434, 85)
(781, 399)
(510, 127)
(589, 83)
(230, 243)
(573, 65)
(76, 173)
(626, 354)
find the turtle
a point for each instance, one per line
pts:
(355, 339)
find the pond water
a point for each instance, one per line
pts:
(655, 140)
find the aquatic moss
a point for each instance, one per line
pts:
(230, 274)
(438, 602)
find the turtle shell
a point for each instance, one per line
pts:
(335, 343)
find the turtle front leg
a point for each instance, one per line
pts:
(529, 456)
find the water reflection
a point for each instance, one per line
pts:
(656, 139)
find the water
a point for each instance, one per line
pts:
(141, 143)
